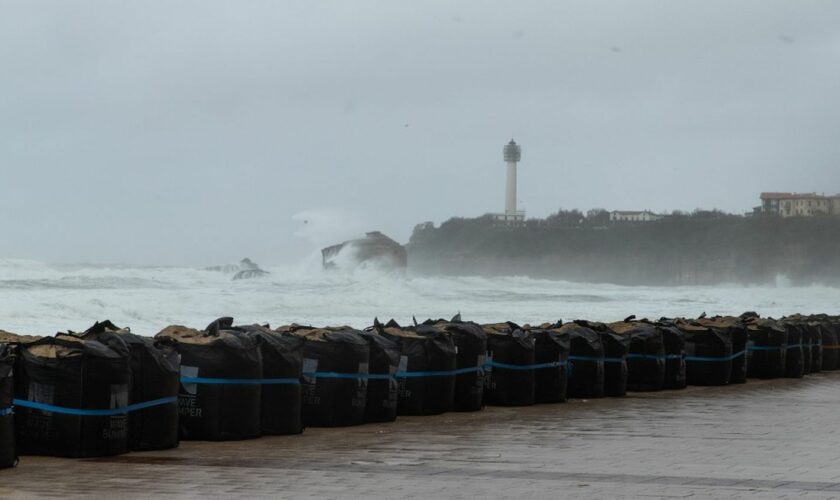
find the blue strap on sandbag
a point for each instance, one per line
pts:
(710, 359)
(238, 381)
(442, 373)
(585, 358)
(435, 373)
(767, 348)
(94, 413)
(471, 369)
(615, 360)
(385, 376)
(537, 366)
(5, 411)
(378, 376)
(655, 357)
(354, 376)
(597, 358)
(665, 357)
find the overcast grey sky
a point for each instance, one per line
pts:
(194, 132)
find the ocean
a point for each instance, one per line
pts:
(42, 299)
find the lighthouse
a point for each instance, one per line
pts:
(512, 153)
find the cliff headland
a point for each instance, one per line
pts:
(702, 248)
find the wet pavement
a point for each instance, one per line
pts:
(765, 439)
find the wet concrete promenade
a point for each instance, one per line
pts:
(765, 439)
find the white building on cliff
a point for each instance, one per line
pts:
(634, 216)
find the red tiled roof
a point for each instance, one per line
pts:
(775, 196)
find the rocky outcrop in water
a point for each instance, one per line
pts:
(375, 247)
(246, 269)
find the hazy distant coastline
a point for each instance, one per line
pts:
(700, 249)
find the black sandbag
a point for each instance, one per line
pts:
(816, 345)
(615, 360)
(8, 454)
(766, 349)
(281, 410)
(471, 348)
(382, 386)
(510, 351)
(155, 374)
(812, 349)
(795, 353)
(675, 365)
(67, 377)
(708, 353)
(426, 374)
(551, 355)
(735, 328)
(807, 346)
(646, 356)
(739, 361)
(586, 362)
(831, 339)
(335, 370)
(220, 393)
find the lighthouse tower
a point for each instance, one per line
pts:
(512, 154)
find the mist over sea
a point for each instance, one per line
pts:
(39, 298)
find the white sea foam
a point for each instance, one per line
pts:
(37, 298)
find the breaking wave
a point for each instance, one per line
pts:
(38, 298)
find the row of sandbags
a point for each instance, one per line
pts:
(102, 392)
(107, 391)
(236, 382)
(351, 377)
(793, 346)
(723, 350)
(8, 455)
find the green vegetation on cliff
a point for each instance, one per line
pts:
(700, 248)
